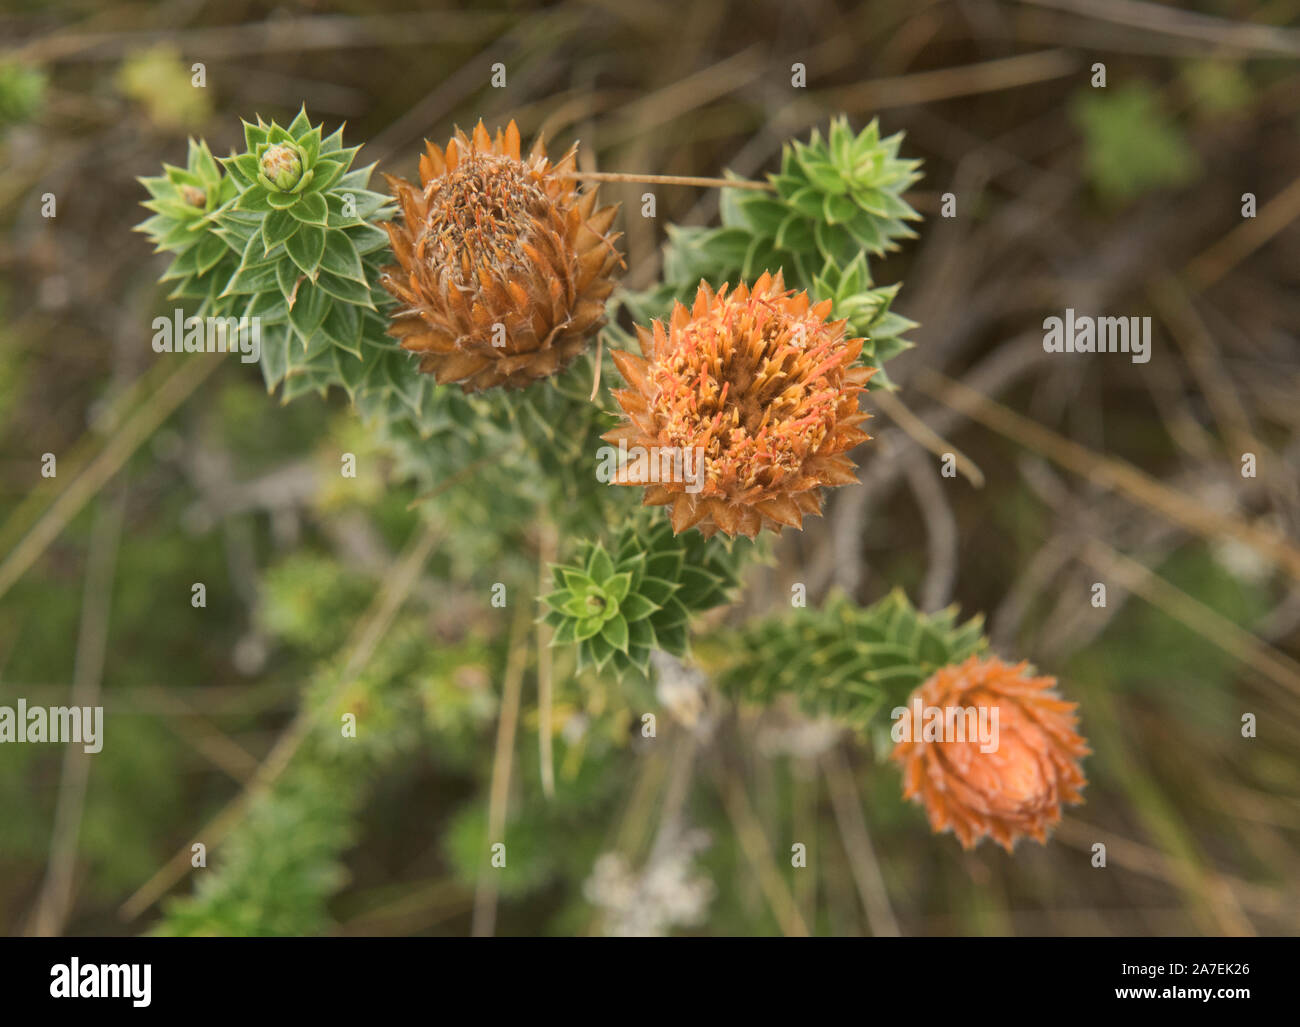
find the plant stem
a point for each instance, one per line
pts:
(707, 183)
(922, 434)
(55, 899)
(483, 923)
(847, 805)
(547, 555)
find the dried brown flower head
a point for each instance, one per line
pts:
(1019, 787)
(503, 265)
(760, 384)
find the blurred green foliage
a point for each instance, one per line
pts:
(22, 92)
(1131, 145)
(163, 83)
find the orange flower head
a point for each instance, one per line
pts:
(763, 388)
(503, 265)
(1019, 787)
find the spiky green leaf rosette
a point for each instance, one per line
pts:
(183, 201)
(618, 608)
(837, 201)
(285, 235)
(843, 660)
(866, 307)
(307, 257)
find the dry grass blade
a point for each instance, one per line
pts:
(55, 899)
(141, 424)
(1246, 238)
(275, 35)
(485, 894)
(1143, 859)
(1205, 622)
(421, 907)
(1168, 20)
(1189, 332)
(857, 846)
(754, 844)
(1108, 472)
(922, 434)
(706, 183)
(217, 747)
(685, 95)
(948, 83)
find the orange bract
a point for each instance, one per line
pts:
(1017, 789)
(503, 265)
(764, 388)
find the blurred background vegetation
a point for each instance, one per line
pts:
(325, 594)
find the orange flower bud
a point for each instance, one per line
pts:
(1011, 788)
(764, 387)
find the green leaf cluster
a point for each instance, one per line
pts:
(835, 198)
(184, 202)
(309, 261)
(843, 660)
(618, 607)
(866, 307)
(278, 870)
(304, 260)
(520, 450)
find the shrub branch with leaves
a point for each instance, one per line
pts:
(461, 321)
